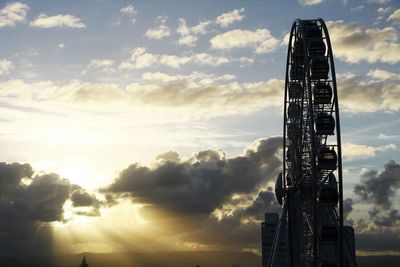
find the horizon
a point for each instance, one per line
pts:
(157, 126)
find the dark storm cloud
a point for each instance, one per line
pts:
(390, 219)
(10, 177)
(187, 194)
(347, 209)
(378, 189)
(378, 239)
(264, 202)
(239, 230)
(28, 203)
(41, 199)
(202, 183)
(81, 198)
(45, 197)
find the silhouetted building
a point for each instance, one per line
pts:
(84, 263)
(268, 230)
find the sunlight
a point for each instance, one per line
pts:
(77, 169)
(120, 227)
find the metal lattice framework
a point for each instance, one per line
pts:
(310, 187)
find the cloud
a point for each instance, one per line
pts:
(204, 181)
(100, 63)
(128, 12)
(189, 35)
(229, 18)
(383, 10)
(310, 2)
(347, 209)
(378, 190)
(237, 231)
(197, 93)
(370, 237)
(378, 1)
(81, 198)
(358, 8)
(260, 40)
(57, 21)
(13, 13)
(215, 98)
(5, 66)
(360, 95)
(214, 200)
(87, 204)
(355, 44)
(27, 204)
(129, 9)
(194, 77)
(383, 75)
(395, 16)
(104, 65)
(356, 151)
(140, 59)
(160, 31)
(31, 203)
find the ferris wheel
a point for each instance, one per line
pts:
(310, 187)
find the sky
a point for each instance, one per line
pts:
(157, 125)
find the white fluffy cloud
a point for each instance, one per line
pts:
(395, 16)
(104, 65)
(355, 44)
(360, 95)
(189, 34)
(358, 8)
(57, 21)
(13, 13)
(100, 63)
(159, 32)
(197, 93)
(5, 66)
(310, 2)
(383, 10)
(383, 75)
(196, 77)
(378, 1)
(140, 59)
(228, 18)
(260, 40)
(355, 151)
(129, 9)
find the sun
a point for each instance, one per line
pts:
(77, 169)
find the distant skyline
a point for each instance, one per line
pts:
(156, 125)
